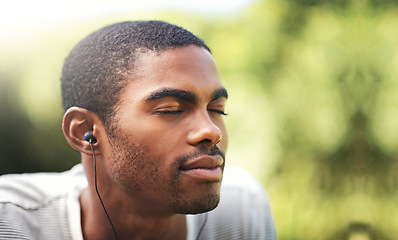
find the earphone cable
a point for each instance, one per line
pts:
(202, 227)
(96, 189)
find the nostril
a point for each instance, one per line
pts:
(205, 141)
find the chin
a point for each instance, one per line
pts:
(203, 204)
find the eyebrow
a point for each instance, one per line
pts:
(184, 95)
(222, 92)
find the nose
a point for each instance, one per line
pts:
(204, 131)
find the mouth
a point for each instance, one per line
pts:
(205, 168)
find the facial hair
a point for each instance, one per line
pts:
(138, 172)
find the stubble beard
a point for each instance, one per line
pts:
(137, 172)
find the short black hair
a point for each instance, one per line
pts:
(94, 72)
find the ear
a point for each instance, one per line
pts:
(76, 122)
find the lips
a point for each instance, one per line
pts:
(206, 168)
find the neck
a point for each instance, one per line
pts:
(128, 223)
(132, 218)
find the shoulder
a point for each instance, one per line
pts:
(243, 198)
(241, 190)
(243, 211)
(28, 201)
(30, 189)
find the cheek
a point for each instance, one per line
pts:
(127, 161)
(165, 141)
(137, 169)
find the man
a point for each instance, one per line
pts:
(144, 106)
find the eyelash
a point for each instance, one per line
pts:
(217, 111)
(170, 112)
(181, 111)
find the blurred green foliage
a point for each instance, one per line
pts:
(312, 108)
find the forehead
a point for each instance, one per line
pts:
(189, 68)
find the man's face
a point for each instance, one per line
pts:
(168, 139)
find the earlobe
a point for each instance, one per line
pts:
(76, 123)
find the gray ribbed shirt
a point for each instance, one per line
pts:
(46, 206)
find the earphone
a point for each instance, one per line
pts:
(89, 137)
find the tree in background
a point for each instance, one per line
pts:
(327, 74)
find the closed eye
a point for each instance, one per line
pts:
(165, 112)
(217, 111)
